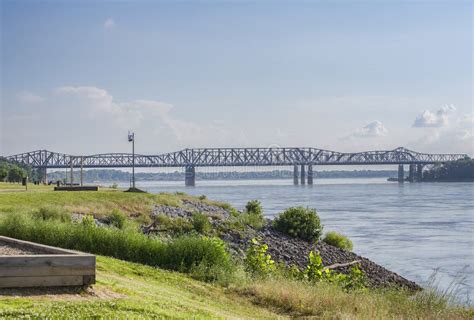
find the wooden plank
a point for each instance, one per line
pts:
(51, 281)
(87, 280)
(55, 260)
(41, 247)
(28, 271)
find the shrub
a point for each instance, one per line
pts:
(201, 223)
(202, 197)
(257, 261)
(338, 240)
(176, 226)
(253, 220)
(200, 256)
(254, 207)
(88, 221)
(116, 218)
(51, 213)
(299, 222)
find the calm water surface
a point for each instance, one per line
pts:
(412, 229)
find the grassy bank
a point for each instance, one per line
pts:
(127, 289)
(13, 198)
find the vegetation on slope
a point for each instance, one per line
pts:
(126, 290)
(131, 290)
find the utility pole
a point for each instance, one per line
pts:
(131, 138)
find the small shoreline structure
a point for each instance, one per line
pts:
(27, 264)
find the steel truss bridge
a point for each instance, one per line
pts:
(232, 157)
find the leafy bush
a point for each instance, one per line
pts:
(201, 223)
(184, 254)
(254, 207)
(315, 272)
(202, 197)
(116, 218)
(176, 226)
(299, 222)
(88, 221)
(253, 220)
(51, 213)
(257, 261)
(338, 240)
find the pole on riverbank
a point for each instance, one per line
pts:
(131, 138)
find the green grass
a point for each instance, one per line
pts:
(127, 290)
(338, 240)
(189, 253)
(99, 203)
(324, 300)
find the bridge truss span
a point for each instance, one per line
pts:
(232, 157)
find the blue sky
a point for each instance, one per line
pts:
(344, 75)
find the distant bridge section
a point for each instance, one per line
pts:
(234, 157)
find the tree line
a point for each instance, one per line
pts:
(459, 170)
(14, 172)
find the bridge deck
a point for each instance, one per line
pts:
(221, 157)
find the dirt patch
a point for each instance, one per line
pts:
(8, 249)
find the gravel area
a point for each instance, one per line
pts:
(7, 249)
(189, 208)
(292, 251)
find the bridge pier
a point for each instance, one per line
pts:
(295, 175)
(401, 174)
(419, 172)
(310, 174)
(411, 172)
(303, 175)
(190, 176)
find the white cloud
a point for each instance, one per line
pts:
(109, 23)
(29, 97)
(371, 130)
(454, 134)
(436, 119)
(153, 118)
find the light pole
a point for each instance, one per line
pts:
(131, 138)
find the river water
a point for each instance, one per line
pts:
(413, 229)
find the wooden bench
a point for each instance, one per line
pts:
(77, 188)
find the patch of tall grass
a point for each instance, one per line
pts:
(338, 240)
(53, 213)
(325, 300)
(185, 254)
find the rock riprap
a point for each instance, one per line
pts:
(283, 248)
